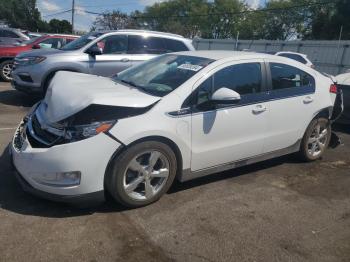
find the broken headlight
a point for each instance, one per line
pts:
(80, 132)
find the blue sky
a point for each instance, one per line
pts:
(84, 20)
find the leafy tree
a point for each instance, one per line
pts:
(112, 21)
(327, 21)
(60, 26)
(21, 14)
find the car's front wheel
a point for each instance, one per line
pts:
(6, 69)
(316, 139)
(142, 173)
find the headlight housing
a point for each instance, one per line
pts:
(81, 132)
(29, 60)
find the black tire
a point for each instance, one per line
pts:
(119, 167)
(306, 147)
(5, 66)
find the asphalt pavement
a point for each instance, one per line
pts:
(277, 210)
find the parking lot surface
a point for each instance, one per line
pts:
(277, 210)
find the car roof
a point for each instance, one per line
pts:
(143, 32)
(222, 54)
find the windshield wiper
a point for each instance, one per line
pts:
(130, 83)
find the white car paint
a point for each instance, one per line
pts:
(205, 139)
(73, 92)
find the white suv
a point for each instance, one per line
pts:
(181, 115)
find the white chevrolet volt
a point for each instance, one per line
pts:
(181, 115)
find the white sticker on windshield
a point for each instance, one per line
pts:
(92, 37)
(190, 67)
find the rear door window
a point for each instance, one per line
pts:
(174, 45)
(288, 80)
(146, 45)
(286, 76)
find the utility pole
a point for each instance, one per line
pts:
(73, 9)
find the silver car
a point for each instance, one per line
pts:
(98, 53)
(11, 36)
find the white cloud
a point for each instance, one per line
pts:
(46, 5)
(150, 2)
(253, 3)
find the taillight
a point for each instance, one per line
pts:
(333, 89)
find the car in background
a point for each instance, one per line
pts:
(8, 53)
(11, 36)
(302, 58)
(99, 53)
(180, 115)
(343, 83)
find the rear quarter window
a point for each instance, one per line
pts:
(295, 57)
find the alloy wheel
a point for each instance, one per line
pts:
(6, 71)
(146, 175)
(317, 140)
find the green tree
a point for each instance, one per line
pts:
(60, 26)
(328, 20)
(21, 14)
(113, 21)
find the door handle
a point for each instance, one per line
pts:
(124, 60)
(259, 109)
(308, 99)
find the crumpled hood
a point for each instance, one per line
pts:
(70, 92)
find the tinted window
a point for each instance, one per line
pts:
(174, 45)
(294, 57)
(285, 76)
(245, 79)
(146, 45)
(114, 44)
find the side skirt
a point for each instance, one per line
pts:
(187, 174)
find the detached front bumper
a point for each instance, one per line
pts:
(90, 157)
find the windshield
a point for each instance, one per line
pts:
(163, 74)
(81, 41)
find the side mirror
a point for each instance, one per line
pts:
(94, 50)
(36, 46)
(225, 96)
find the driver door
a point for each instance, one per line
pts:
(227, 133)
(114, 57)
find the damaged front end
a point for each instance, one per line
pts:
(90, 121)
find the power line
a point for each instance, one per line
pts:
(58, 13)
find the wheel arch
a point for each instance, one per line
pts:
(3, 59)
(161, 139)
(324, 112)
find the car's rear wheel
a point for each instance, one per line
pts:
(316, 139)
(6, 69)
(142, 174)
